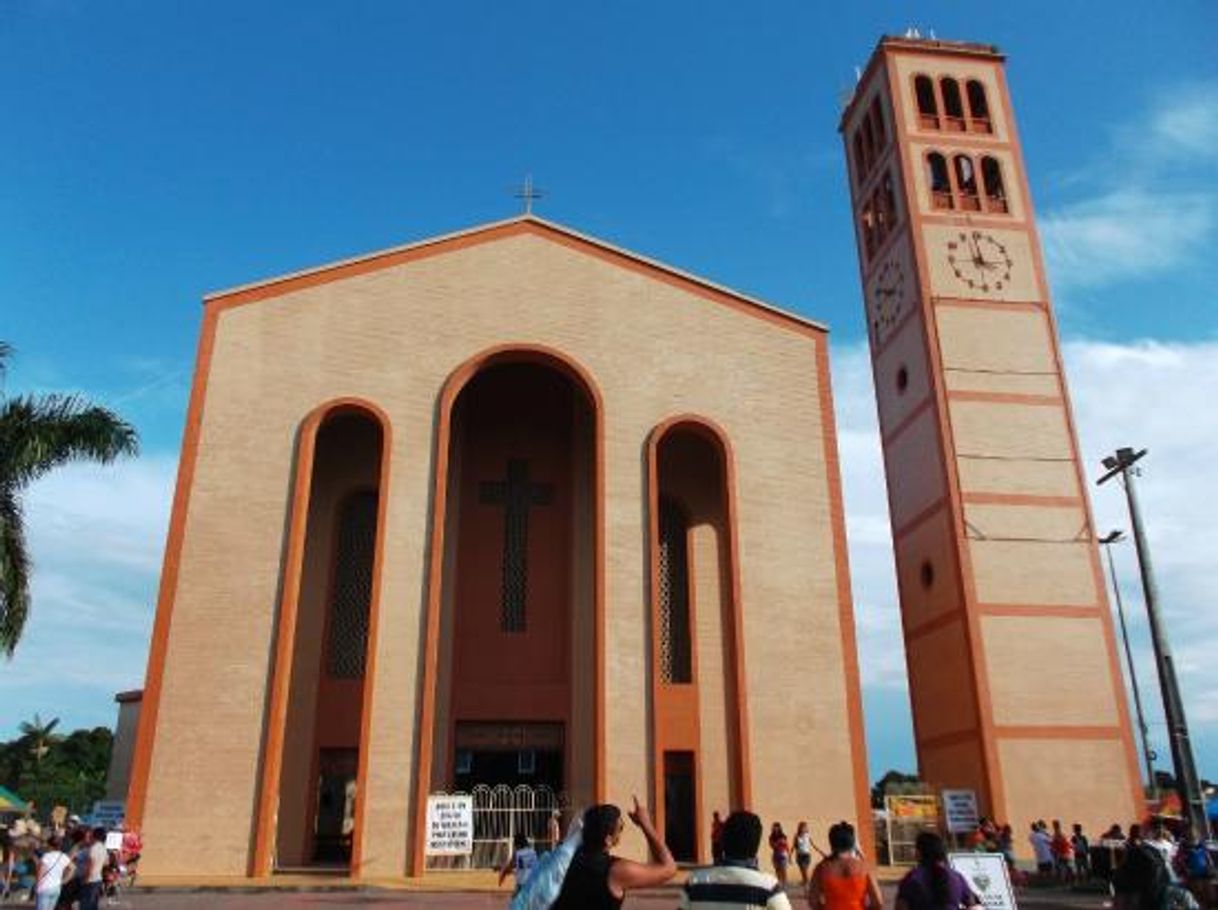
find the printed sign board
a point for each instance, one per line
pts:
(960, 810)
(114, 840)
(107, 814)
(450, 826)
(986, 874)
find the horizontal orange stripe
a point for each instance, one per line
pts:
(931, 625)
(1054, 731)
(1060, 611)
(944, 740)
(1021, 499)
(909, 419)
(1006, 398)
(921, 517)
(1030, 306)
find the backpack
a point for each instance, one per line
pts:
(1197, 862)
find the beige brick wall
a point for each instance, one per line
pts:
(1082, 781)
(393, 337)
(1048, 670)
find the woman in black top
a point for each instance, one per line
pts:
(597, 880)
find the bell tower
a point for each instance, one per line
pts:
(1014, 680)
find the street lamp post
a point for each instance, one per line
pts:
(1107, 541)
(1121, 463)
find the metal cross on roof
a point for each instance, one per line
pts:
(528, 193)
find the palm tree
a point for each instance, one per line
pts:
(38, 433)
(39, 736)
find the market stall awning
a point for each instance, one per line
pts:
(11, 802)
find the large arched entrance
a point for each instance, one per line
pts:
(516, 661)
(315, 753)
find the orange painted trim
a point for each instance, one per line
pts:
(499, 231)
(1062, 611)
(1023, 306)
(920, 518)
(1055, 731)
(947, 740)
(845, 605)
(738, 726)
(943, 620)
(374, 626)
(1022, 499)
(154, 677)
(1133, 770)
(265, 822)
(1006, 398)
(456, 382)
(908, 420)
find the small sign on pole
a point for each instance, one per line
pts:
(986, 874)
(960, 811)
(450, 826)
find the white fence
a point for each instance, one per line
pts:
(499, 814)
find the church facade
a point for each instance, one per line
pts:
(506, 506)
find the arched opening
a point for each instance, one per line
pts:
(698, 723)
(860, 159)
(966, 183)
(991, 179)
(978, 107)
(928, 108)
(516, 643)
(940, 182)
(876, 116)
(953, 104)
(327, 649)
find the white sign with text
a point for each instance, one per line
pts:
(986, 874)
(960, 810)
(450, 826)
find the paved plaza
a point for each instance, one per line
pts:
(456, 900)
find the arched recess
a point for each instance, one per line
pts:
(315, 755)
(699, 718)
(490, 408)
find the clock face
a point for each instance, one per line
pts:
(980, 261)
(888, 294)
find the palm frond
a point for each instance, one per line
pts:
(6, 351)
(14, 573)
(38, 433)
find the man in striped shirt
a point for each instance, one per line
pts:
(735, 883)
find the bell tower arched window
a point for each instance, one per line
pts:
(940, 182)
(928, 107)
(966, 183)
(991, 180)
(978, 107)
(953, 105)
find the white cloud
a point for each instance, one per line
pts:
(1143, 394)
(1126, 233)
(1153, 196)
(96, 535)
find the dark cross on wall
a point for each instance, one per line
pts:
(517, 496)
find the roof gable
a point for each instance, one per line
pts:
(486, 233)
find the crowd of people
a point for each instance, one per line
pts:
(65, 866)
(1149, 871)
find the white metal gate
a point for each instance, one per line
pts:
(499, 814)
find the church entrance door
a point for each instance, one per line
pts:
(679, 806)
(516, 668)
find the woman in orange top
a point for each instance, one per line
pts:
(842, 881)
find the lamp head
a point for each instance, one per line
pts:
(1109, 462)
(1112, 537)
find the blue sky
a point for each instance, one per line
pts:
(154, 152)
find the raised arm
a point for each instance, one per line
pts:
(627, 875)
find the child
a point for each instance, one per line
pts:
(522, 862)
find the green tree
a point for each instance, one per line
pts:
(37, 434)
